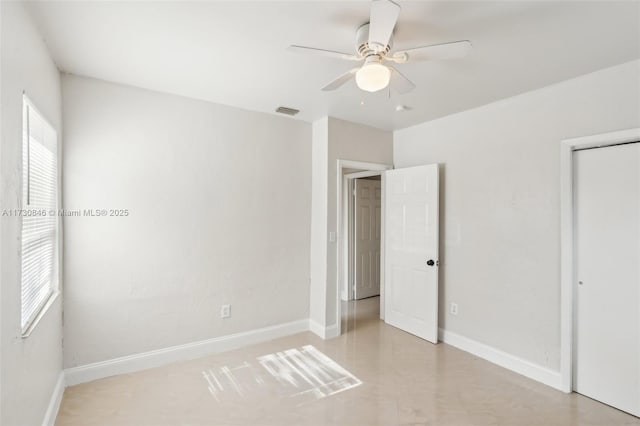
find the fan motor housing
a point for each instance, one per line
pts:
(362, 44)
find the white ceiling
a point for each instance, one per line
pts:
(235, 53)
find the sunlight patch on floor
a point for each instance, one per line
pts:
(302, 375)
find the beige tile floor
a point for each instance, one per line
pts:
(404, 381)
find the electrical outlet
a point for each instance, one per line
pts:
(225, 311)
(454, 309)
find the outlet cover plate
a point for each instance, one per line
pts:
(225, 311)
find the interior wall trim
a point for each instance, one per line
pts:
(156, 358)
(328, 332)
(503, 359)
(55, 401)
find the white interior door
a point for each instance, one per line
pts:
(411, 250)
(367, 238)
(607, 302)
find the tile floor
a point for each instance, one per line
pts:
(373, 374)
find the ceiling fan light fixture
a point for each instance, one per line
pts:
(373, 76)
(374, 41)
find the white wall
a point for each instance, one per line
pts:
(500, 239)
(31, 366)
(219, 202)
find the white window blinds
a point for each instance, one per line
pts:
(39, 215)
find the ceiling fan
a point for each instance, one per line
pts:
(374, 41)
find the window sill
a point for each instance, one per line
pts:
(54, 296)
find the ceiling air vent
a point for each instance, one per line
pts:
(286, 110)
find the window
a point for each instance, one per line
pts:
(39, 214)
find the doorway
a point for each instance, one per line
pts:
(600, 294)
(408, 266)
(347, 173)
(360, 299)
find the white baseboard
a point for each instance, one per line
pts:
(143, 361)
(54, 403)
(324, 332)
(316, 328)
(331, 332)
(521, 366)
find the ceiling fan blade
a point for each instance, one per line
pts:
(384, 15)
(400, 83)
(454, 49)
(323, 52)
(340, 80)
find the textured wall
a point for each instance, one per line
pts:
(30, 366)
(219, 202)
(500, 204)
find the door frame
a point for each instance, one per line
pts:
(567, 257)
(342, 211)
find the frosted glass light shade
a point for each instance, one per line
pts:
(373, 77)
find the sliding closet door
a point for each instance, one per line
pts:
(607, 320)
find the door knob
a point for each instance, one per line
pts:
(430, 262)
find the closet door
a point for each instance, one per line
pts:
(607, 304)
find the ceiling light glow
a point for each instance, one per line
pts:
(372, 77)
